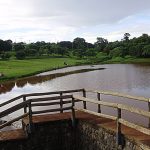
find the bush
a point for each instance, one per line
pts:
(6, 56)
(116, 52)
(20, 55)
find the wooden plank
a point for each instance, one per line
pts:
(45, 104)
(55, 92)
(97, 114)
(135, 126)
(61, 103)
(11, 121)
(119, 95)
(134, 110)
(51, 110)
(114, 105)
(84, 102)
(11, 100)
(13, 109)
(119, 140)
(50, 98)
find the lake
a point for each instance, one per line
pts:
(133, 79)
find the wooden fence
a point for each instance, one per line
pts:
(32, 100)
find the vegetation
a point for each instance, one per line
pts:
(79, 48)
(22, 59)
(21, 68)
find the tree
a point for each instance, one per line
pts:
(5, 46)
(79, 43)
(65, 44)
(101, 43)
(146, 51)
(126, 36)
(19, 46)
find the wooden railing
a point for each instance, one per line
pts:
(32, 100)
(119, 120)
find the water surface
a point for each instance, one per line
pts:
(131, 79)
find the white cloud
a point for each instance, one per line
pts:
(55, 20)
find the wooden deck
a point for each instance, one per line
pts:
(95, 120)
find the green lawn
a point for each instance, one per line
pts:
(20, 68)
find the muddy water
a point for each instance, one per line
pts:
(126, 78)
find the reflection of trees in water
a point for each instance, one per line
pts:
(21, 83)
(7, 87)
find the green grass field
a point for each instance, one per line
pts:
(20, 68)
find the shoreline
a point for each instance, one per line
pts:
(5, 79)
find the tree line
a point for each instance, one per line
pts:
(101, 49)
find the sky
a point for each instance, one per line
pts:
(64, 20)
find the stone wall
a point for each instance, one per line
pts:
(60, 135)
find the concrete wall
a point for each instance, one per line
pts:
(60, 135)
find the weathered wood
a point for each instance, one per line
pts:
(97, 114)
(51, 110)
(99, 106)
(84, 102)
(119, 95)
(134, 110)
(50, 98)
(11, 100)
(114, 105)
(149, 111)
(13, 109)
(45, 104)
(25, 107)
(30, 117)
(61, 103)
(135, 126)
(11, 121)
(118, 127)
(73, 113)
(55, 92)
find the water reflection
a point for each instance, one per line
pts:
(7, 87)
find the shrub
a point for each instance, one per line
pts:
(20, 55)
(6, 56)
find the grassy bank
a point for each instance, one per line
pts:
(13, 69)
(130, 60)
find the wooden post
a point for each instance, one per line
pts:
(149, 111)
(119, 140)
(30, 117)
(84, 95)
(73, 113)
(61, 103)
(25, 107)
(99, 106)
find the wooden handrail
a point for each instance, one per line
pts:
(11, 121)
(39, 94)
(120, 95)
(118, 118)
(114, 105)
(11, 100)
(13, 109)
(55, 92)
